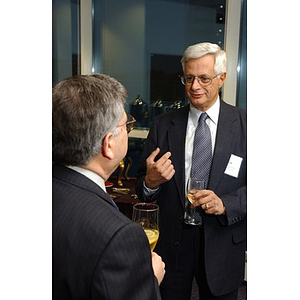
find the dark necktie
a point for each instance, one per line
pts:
(202, 151)
(201, 162)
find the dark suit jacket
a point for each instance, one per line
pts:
(225, 236)
(98, 253)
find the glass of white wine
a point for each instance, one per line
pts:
(192, 217)
(146, 215)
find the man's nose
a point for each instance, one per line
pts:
(196, 84)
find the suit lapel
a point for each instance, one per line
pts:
(225, 139)
(176, 140)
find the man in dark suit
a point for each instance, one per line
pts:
(214, 252)
(98, 253)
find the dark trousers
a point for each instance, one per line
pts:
(190, 265)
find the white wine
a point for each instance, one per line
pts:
(152, 235)
(190, 196)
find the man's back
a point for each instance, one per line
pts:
(97, 251)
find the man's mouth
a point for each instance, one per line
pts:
(197, 95)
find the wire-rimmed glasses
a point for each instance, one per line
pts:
(129, 124)
(203, 79)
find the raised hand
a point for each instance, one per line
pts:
(159, 171)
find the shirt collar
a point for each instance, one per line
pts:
(212, 112)
(91, 175)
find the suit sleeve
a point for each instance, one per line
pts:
(125, 269)
(236, 207)
(150, 145)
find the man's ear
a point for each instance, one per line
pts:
(222, 79)
(107, 144)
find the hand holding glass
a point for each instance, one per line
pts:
(193, 185)
(146, 215)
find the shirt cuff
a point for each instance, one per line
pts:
(148, 191)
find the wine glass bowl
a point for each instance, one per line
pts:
(192, 186)
(146, 215)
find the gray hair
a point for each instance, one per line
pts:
(202, 49)
(84, 109)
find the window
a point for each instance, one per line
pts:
(131, 39)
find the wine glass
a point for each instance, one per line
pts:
(192, 217)
(146, 215)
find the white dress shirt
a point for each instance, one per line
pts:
(212, 122)
(91, 175)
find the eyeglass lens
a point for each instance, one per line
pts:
(203, 79)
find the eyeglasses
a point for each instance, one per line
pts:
(129, 124)
(203, 80)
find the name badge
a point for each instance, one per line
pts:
(233, 166)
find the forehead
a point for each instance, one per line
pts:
(200, 65)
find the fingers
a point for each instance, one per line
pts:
(164, 163)
(150, 159)
(215, 208)
(164, 160)
(209, 202)
(164, 167)
(158, 171)
(158, 267)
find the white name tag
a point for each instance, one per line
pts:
(233, 166)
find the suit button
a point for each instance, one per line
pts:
(176, 243)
